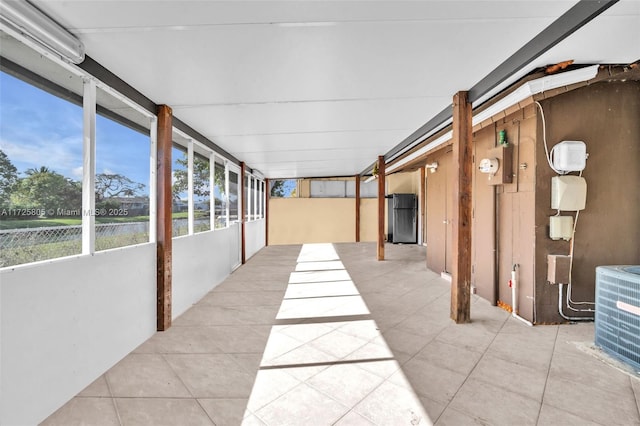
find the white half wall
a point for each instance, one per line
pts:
(65, 322)
(200, 262)
(255, 237)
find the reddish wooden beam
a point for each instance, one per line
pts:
(164, 210)
(381, 203)
(462, 187)
(357, 208)
(267, 195)
(241, 213)
(421, 203)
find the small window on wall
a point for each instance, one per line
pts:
(201, 194)
(283, 188)
(40, 174)
(180, 205)
(233, 197)
(220, 197)
(122, 176)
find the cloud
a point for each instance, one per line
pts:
(38, 129)
(59, 155)
(77, 172)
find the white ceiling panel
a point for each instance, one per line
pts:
(310, 117)
(310, 88)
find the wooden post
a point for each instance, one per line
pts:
(241, 213)
(462, 187)
(421, 203)
(164, 224)
(357, 208)
(381, 203)
(267, 195)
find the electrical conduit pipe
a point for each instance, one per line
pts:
(562, 314)
(514, 296)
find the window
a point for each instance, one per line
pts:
(201, 194)
(246, 198)
(254, 199)
(283, 188)
(220, 198)
(180, 205)
(261, 199)
(40, 174)
(233, 197)
(122, 176)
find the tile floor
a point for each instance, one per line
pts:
(325, 334)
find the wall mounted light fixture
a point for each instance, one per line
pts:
(24, 19)
(432, 167)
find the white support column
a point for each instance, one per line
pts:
(190, 204)
(226, 193)
(153, 184)
(89, 167)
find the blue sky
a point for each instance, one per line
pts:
(38, 129)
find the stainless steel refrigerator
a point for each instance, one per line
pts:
(402, 223)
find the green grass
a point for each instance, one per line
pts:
(37, 223)
(51, 250)
(34, 253)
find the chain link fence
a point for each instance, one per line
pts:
(181, 226)
(18, 246)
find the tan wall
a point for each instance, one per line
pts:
(605, 116)
(312, 220)
(403, 183)
(320, 220)
(438, 214)
(369, 219)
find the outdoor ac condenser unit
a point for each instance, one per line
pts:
(618, 312)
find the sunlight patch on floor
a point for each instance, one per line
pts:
(325, 360)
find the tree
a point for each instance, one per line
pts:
(116, 185)
(47, 190)
(277, 188)
(200, 177)
(33, 171)
(283, 188)
(8, 178)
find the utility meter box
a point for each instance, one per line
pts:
(560, 227)
(489, 165)
(558, 268)
(569, 156)
(498, 165)
(568, 193)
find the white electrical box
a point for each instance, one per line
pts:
(560, 227)
(568, 193)
(569, 156)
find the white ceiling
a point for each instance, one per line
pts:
(321, 88)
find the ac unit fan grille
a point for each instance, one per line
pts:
(618, 329)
